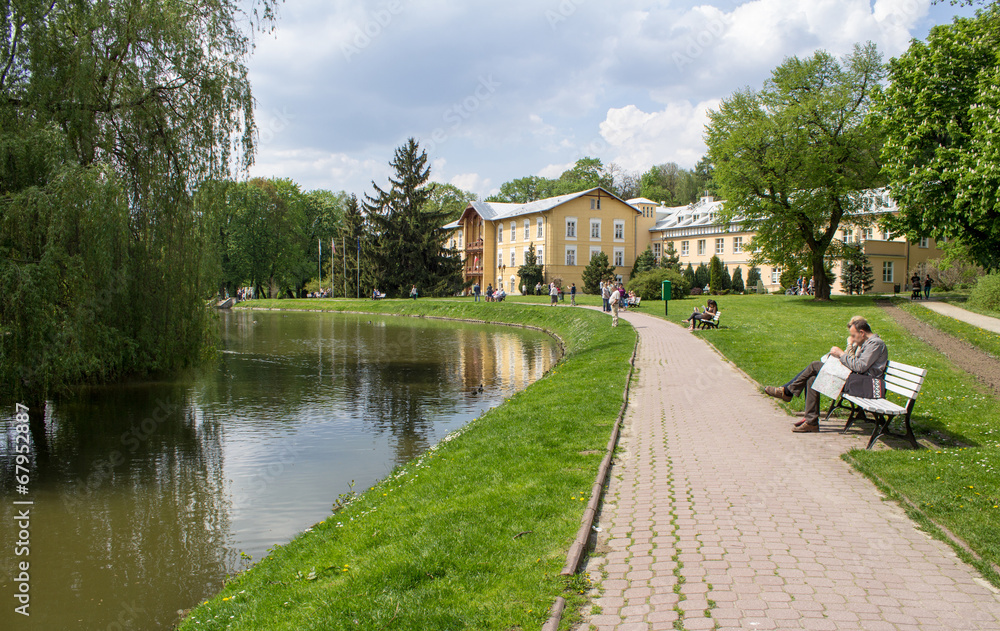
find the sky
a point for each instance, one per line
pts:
(495, 91)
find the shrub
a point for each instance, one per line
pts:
(738, 287)
(986, 294)
(715, 275)
(648, 285)
(696, 291)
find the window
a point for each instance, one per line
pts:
(867, 234)
(701, 246)
(886, 235)
(538, 223)
(657, 250)
(459, 239)
(499, 258)
(737, 245)
(594, 251)
(512, 262)
(527, 229)
(924, 242)
(595, 204)
(513, 231)
(848, 236)
(619, 257)
(570, 227)
(570, 255)
(685, 248)
(887, 276)
(538, 257)
(511, 284)
(775, 275)
(595, 229)
(720, 246)
(619, 230)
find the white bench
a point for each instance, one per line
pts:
(710, 324)
(904, 380)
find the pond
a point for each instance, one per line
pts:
(146, 496)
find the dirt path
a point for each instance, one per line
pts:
(972, 360)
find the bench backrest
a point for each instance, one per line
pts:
(904, 379)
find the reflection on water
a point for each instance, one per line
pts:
(146, 495)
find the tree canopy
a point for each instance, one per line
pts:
(793, 159)
(940, 115)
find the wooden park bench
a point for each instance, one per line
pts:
(710, 324)
(904, 380)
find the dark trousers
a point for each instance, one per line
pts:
(803, 382)
(607, 304)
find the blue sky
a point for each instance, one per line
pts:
(496, 91)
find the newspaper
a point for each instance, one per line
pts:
(831, 378)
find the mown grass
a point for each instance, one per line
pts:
(773, 337)
(987, 341)
(471, 535)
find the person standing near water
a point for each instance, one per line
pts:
(413, 292)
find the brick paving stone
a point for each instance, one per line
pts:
(770, 519)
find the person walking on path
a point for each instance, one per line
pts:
(615, 298)
(716, 517)
(572, 295)
(475, 291)
(927, 286)
(413, 292)
(606, 296)
(553, 293)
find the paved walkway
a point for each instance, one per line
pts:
(718, 517)
(976, 319)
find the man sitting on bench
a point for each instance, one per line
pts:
(867, 364)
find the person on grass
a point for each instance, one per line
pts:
(867, 364)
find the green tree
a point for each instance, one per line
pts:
(690, 276)
(406, 237)
(649, 284)
(586, 174)
(531, 273)
(450, 200)
(793, 159)
(702, 276)
(524, 190)
(940, 116)
(727, 280)
(670, 259)
(597, 270)
(644, 262)
(753, 277)
(111, 114)
(351, 282)
(715, 275)
(738, 286)
(856, 275)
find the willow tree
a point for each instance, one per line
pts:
(793, 160)
(111, 114)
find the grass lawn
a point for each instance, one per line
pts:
(471, 535)
(772, 337)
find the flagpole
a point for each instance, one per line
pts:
(319, 263)
(345, 265)
(359, 268)
(333, 266)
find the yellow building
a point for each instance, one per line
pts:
(697, 235)
(566, 231)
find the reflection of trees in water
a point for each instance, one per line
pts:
(130, 501)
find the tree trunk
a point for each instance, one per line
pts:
(820, 281)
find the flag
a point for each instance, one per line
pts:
(333, 245)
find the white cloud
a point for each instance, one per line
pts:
(316, 169)
(472, 182)
(642, 139)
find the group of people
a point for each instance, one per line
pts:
(492, 295)
(865, 355)
(802, 288)
(915, 286)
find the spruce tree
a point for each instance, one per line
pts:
(753, 277)
(715, 275)
(671, 259)
(407, 237)
(597, 270)
(702, 276)
(531, 273)
(644, 262)
(727, 280)
(738, 280)
(690, 276)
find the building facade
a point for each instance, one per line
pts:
(697, 235)
(566, 231)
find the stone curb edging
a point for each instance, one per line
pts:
(597, 491)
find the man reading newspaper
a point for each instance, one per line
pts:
(867, 364)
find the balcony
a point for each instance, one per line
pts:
(474, 246)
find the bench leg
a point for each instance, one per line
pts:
(909, 434)
(881, 424)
